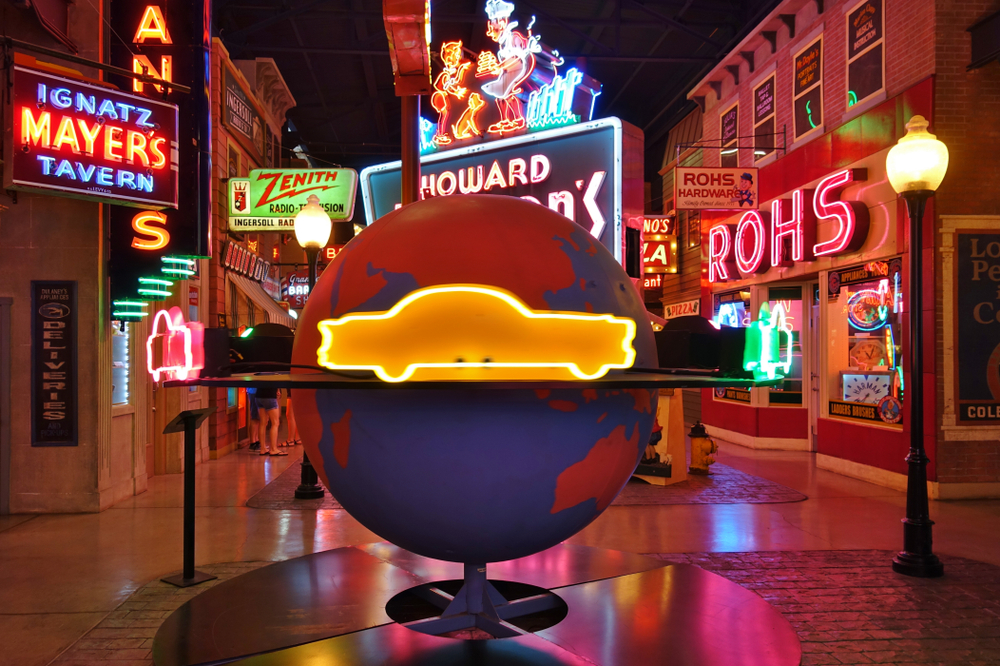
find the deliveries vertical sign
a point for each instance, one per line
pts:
(53, 364)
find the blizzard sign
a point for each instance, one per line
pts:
(703, 188)
(574, 170)
(75, 139)
(270, 198)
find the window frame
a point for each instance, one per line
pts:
(809, 43)
(847, 65)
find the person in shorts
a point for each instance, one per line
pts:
(254, 420)
(270, 415)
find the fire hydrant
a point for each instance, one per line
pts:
(702, 448)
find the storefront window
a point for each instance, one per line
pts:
(789, 301)
(732, 308)
(120, 355)
(865, 325)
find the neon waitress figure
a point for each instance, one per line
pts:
(513, 63)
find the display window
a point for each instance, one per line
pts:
(121, 341)
(788, 302)
(807, 89)
(864, 333)
(865, 52)
(732, 309)
(729, 132)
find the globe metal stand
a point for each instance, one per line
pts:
(478, 605)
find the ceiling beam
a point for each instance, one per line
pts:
(239, 36)
(361, 32)
(666, 20)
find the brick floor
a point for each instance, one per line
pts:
(848, 607)
(725, 485)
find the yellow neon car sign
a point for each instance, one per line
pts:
(473, 332)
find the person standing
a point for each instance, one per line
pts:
(254, 420)
(267, 405)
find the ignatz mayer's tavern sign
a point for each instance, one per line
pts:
(518, 121)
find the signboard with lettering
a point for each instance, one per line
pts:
(730, 124)
(864, 27)
(240, 115)
(977, 327)
(684, 309)
(763, 100)
(808, 88)
(574, 170)
(733, 394)
(237, 258)
(86, 141)
(269, 199)
(54, 405)
(763, 118)
(706, 188)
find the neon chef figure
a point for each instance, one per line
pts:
(513, 63)
(447, 85)
(745, 190)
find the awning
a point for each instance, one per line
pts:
(274, 312)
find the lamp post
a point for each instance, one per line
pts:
(312, 231)
(916, 166)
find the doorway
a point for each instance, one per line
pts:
(813, 355)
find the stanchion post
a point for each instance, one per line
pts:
(188, 422)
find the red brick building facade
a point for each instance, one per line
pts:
(832, 85)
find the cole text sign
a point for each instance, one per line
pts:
(270, 198)
(75, 139)
(53, 364)
(977, 348)
(707, 188)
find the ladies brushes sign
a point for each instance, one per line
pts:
(75, 139)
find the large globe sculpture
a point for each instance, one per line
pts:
(474, 475)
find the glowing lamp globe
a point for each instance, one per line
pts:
(312, 224)
(473, 289)
(918, 162)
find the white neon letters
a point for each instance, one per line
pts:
(792, 239)
(720, 253)
(851, 217)
(753, 231)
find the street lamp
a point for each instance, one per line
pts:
(916, 166)
(312, 231)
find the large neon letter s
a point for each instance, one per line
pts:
(756, 226)
(142, 224)
(850, 217)
(721, 259)
(792, 239)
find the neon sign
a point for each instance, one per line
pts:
(788, 234)
(177, 351)
(764, 353)
(72, 138)
(867, 309)
(152, 26)
(476, 332)
(575, 170)
(522, 69)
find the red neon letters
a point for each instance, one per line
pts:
(851, 216)
(762, 240)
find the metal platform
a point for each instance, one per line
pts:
(329, 608)
(319, 380)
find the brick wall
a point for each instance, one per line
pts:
(967, 107)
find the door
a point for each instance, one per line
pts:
(813, 361)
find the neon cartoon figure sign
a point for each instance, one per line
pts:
(448, 88)
(512, 65)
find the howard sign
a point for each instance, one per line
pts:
(575, 170)
(787, 234)
(88, 141)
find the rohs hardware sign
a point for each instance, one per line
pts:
(269, 199)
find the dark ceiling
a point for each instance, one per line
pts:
(334, 56)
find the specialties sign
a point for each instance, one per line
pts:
(86, 141)
(270, 198)
(977, 317)
(53, 364)
(706, 188)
